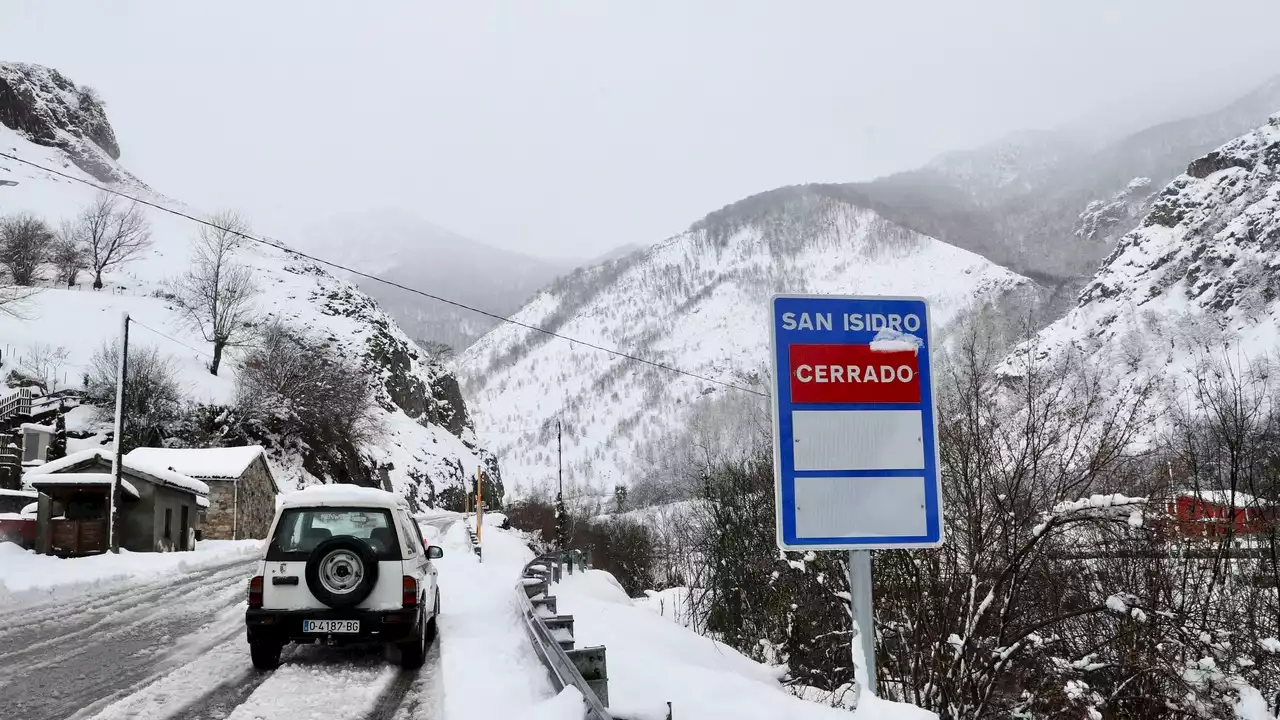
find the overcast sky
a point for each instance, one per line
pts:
(569, 128)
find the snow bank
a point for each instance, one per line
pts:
(27, 576)
(487, 664)
(653, 660)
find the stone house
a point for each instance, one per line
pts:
(242, 489)
(159, 509)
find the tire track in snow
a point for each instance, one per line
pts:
(57, 646)
(85, 677)
(26, 617)
(413, 696)
(106, 623)
(325, 683)
(224, 699)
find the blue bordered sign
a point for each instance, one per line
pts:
(854, 424)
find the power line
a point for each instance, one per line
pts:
(170, 338)
(284, 248)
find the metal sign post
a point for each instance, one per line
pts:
(855, 435)
(860, 598)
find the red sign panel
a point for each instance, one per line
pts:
(853, 374)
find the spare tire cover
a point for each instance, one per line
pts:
(342, 571)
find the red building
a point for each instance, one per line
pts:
(1209, 513)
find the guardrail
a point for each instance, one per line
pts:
(553, 641)
(552, 633)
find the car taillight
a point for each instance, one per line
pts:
(410, 592)
(255, 592)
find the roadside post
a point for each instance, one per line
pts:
(855, 451)
(479, 515)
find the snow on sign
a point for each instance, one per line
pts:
(854, 431)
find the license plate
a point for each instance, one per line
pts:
(331, 626)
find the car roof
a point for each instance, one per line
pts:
(342, 495)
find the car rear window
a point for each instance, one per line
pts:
(300, 530)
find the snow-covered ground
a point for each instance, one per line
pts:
(653, 660)
(26, 576)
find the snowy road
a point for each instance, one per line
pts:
(174, 649)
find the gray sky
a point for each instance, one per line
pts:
(568, 128)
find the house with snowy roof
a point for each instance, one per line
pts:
(159, 509)
(242, 490)
(1211, 513)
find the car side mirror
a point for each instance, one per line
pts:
(435, 552)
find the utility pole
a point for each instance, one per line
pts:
(479, 515)
(561, 521)
(117, 465)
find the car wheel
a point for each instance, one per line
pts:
(266, 656)
(342, 571)
(414, 652)
(431, 630)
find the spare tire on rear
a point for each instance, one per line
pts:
(342, 571)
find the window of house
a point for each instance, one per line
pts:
(168, 523)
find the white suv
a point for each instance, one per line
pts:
(345, 564)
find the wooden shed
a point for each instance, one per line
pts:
(159, 508)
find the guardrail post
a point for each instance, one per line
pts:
(591, 664)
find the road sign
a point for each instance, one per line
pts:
(854, 424)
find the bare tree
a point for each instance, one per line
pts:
(45, 363)
(438, 353)
(153, 398)
(24, 246)
(303, 389)
(110, 234)
(216, 294)
(68, 255)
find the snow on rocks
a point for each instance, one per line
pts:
(1193, 279)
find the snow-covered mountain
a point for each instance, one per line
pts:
(427, 443)
(412, 252)
(1021, 201)
(1198, 275)
(699, 302)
